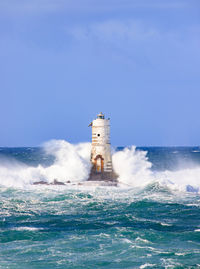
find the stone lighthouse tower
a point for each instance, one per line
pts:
(102, 169)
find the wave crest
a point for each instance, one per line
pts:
(72, 163)
(133, 167)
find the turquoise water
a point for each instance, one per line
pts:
(100, 227)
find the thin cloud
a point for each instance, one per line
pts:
(133, 31)
(137, 41)
(114, 30)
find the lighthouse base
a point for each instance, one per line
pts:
(102, 176)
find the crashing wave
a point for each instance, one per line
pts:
(72, 164)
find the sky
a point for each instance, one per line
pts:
(64, 61)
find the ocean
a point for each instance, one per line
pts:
(151, 220)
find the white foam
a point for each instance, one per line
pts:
(165, 224)
(72, 163)
(24, 228)
(142, 240)
(180, 254)
(133, 167)
(147, 265)
(182, 180)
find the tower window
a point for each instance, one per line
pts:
(98, 135)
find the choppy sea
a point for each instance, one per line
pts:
(151, 220)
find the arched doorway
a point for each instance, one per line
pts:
(99, 163)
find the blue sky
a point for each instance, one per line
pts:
(63, 61)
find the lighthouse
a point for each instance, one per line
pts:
(102, 168)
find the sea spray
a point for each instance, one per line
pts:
(134, 170)
(133, 167)
(16, 174)
(187, 179)
(72, 163)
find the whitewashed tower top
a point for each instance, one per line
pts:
(100, 154)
